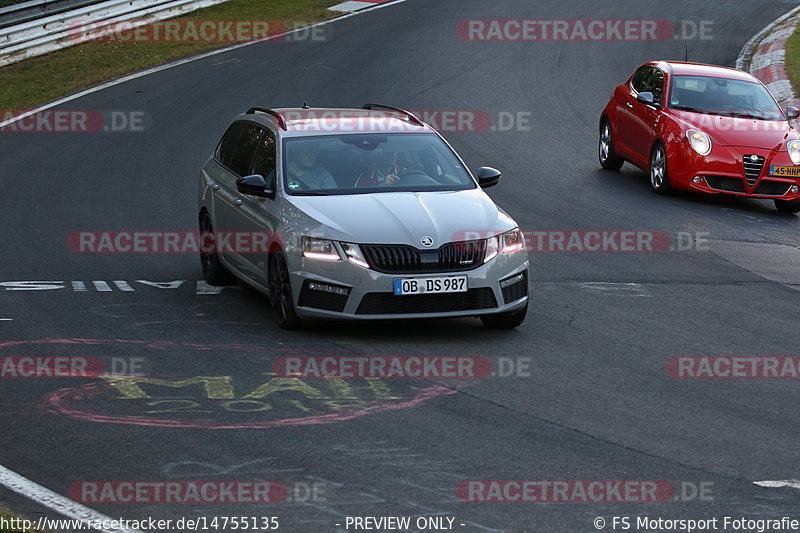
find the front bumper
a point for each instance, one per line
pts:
(318, 287)
(723, 171)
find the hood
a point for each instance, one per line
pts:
(736, 131)
(398, 217)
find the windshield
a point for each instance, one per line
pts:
(723, 96)
(368, 163)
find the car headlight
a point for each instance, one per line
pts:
(700, 141)
(321, 249)
(354, 255)
(794, 151)
(511, 241)
(505, 243)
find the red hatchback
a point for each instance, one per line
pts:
(703, 128)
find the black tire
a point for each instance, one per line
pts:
(787, 207)
(280, 292)
(608, 159)
(659, 179)
(213, 270)
(508, 320)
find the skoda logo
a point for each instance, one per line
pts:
(754, 158)
(426, 241)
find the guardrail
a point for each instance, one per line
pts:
(35, 9)
(54, 32)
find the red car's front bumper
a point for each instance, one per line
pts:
(730, 170)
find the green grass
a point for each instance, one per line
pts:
(792, 60)
(45, 78)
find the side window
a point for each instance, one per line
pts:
(264, 161)
(639, 79)
(228, 142)
(242, 153)
(655, 83)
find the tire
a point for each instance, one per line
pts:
(659, 180)
(608, 159)
(213, 270)
(280, 292)
(508, 320)
(787, 207)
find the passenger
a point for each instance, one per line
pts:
(302, 170)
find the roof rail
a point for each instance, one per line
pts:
(411, 116)
(278, 116)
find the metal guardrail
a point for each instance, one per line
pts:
(35, 9)
(54, 32)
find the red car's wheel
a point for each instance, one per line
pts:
(659, 180)
(608, 159)
(787, 207)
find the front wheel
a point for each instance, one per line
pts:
(507, 320)
(659, 181)
(787, 207)
(608, 159)
(280, 292)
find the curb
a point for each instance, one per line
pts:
(355, 5)
(763, 57)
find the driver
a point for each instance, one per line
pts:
(385, 170)
(302, 170)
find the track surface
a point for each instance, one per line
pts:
(598, 403)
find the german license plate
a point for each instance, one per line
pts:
(406, 286)
(783, 171)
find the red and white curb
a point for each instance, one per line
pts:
(763, 57)
(355, 5)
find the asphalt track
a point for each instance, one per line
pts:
(598, 403)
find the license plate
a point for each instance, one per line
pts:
(785, 172)
(403, 287)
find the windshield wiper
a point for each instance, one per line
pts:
(693, 109)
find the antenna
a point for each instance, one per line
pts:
(305, 105)
(686, 54)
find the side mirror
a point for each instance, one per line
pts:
(647, 98)
(792, 112)
(488, 177)
(254, 186)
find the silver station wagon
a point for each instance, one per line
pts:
(358, 213)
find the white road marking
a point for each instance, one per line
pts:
(102, 286)
(124, 286)
(205, 288)
(615, 289)
(180, 62)
(791, 483)
(162, 284)
(46, 497)
(79, 286)
(6, 319)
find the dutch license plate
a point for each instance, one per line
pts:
(407, 286)
(783, 171)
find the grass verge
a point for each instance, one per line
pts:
(45, 78)
(792, 60)
(7, 518)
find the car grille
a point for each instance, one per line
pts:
(321, 299)
(517, 290)
(725, 183)
(752, 169)
(772, 188)
(401, 259)
(386, 303)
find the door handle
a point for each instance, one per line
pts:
(630, 105)
(215, 186)
(237, 201)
